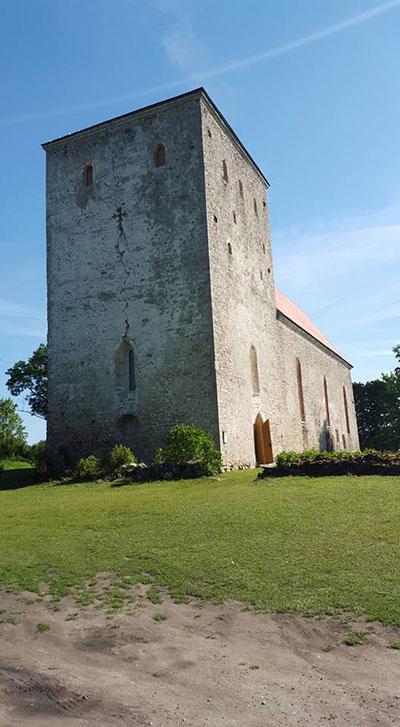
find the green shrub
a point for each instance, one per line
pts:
(313, 462)
(37, 452)
(87, 468)
(119, 456)
(186, 443)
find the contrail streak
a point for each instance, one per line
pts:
(212, 73)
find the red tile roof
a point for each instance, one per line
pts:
(296, 315)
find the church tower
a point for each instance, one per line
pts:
(161, 298)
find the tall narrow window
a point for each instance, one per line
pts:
(89, 175)
(328, 416)
(346, 411)
(255, 207)
(125, 368)
(131, 364)
(224, 171)
(300, 390)
(344, 441)
(234, 217)
(241, 188)
(160, 156)
(254, 370)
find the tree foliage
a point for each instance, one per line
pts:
(30, 377)
(378, 410)
(187, 444)
(12, 430)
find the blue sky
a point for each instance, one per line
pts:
(312, 88)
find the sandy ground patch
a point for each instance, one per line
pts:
(204, 665)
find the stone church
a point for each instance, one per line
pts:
(162, 307)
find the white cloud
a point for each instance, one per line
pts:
(345, 275)
(11, 309)
(183, 47)
(21, 320)
(182, 54)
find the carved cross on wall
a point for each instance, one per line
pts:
(118, 215)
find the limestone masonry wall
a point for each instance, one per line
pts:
(128, 268)
(288, 430)
(161, 296)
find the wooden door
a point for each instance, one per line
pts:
(267, 444)
(259, 440)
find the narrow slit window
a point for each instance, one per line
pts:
(346, 411)
(160, 156)
(328, 416)
(224, 171)
(131, 364)
(229, 248)
(89, 175)
(344, 441)
(234, 217)
(241, 188)
(255, 207)
(254, 370)
(300, 390)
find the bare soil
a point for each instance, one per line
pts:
(205, 665)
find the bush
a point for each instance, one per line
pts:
(49, 464)
(312, 462)
(186, 443)
(119, 456)
(87, 468)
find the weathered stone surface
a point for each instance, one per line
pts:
(175, 263)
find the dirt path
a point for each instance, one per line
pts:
(205, 665)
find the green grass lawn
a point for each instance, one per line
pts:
(293, 544)
(15, 464)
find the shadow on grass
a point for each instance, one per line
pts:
(17, 478)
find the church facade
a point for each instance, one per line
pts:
(162, 307)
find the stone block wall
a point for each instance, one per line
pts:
(288, 430)
(242, 288)
(128, 268)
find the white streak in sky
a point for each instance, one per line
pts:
(212, 73)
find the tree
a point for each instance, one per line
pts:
(378, 410)
(12, 430)
(31, 377)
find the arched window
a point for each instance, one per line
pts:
(160, 156)
(254, 370)
(328, 416)
(346, 411)
(125, 367)
(300, 390)
(224, 171)
(131, 369)
(89, 175)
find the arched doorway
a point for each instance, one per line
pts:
(262, 441)
(128, 427)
